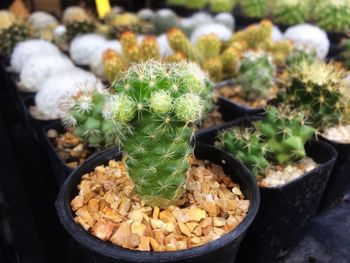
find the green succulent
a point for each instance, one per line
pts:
(254, 8)
(290, 12)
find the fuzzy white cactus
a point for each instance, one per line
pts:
(165, 49)
(83, 47)
(96, 63)
(220, 30)
(39, 67)
(40, 20)
(277, 34)
(52, 100)
(309, 38)
(28, 48)
(226, 19)
(201, 18)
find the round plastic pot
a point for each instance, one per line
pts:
(59, 169)
(339, 180)
(223, 249)
(286, 210)
(235, 110)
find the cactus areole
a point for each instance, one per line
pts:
(151, 116)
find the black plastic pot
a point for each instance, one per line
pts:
(285, 211)
(223, 249)
(235, 110)
(243, 21)
(339, 180)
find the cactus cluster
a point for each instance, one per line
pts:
(334, 15)
(319, 89)
(278, 138)
(290, 12)
(254, 8)
(256, 74)
(12, 31)
(152, 117)
(216, 6)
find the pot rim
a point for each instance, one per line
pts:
(118, 253)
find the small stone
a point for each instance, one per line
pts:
(210, 207)
(167, 217)
(219, 221)
(156, 223)
(184, 229)
(52, 133)
(103, 229)
(197, 231)
(189, 214)
(195, 240)
(155, 245)
(169, 227)
(132, 241)
(171, 247)
(144, 244)
(206, 222)
(77, 202)
(158, 235)
(121, 234)
(192, 225)
(236, 191)
(138, 228)
(181, 245)
(155, 212)
(136, 215)
(93, 206)
(124, 206)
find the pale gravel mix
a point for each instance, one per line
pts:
(339, 133)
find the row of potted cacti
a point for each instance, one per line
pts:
(151, 113)
(333, 16)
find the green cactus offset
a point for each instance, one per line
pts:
(290, 12)
(254, 8)
(152, 116)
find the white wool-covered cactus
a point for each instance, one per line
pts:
(40, 20)
(41, 66)
(277, 34)
(201, 18)
(83, 47)
(51, 100)
(309, 38)
(226, 19)
(96, 61)
(220, 30)
(24, 50)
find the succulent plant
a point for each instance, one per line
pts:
(41, 20)
(334, 15)
(279, 50)
(196, 4)
(113, 64)
(213, 66)
(345, 52)
(309, 38)
(225, 19)
(150, 48)
(298, 56)
(320, 90)
(256, 74)
(77, 21)
(164, 20)
(290, 12)
(151, 116)
(209, 46)
(24, 50)
(82, 48)
(180, 43)
(230, 59)
(12, 31)
(278, 138)
(217, 6)
(254, 8)
(223, 33)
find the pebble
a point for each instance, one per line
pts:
(339, 133)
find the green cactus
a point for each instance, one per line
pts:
(247, 145)
(298, 55)
(230, 62)
(218, 6)
(12, 32)
(256, 74)
(254, 8)
(167, 99)
(113, 64)
(320, 90)
(209, 46)
(334, 16)
(196, 4)
(278, 138)
(86, 116)
(214, 68)
(164, 20)
(290, 12)
(180, 43)
(150, 48)
(77, 28)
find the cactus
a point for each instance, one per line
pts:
(130, 47)
(217, 6)
(230, 61)
(79, 28)
(150, 48)
(334, 16)
(247, 145)
(298, 56)
(196, 4)
(319, 89)
(209, 46)
(279, 50)
(345, 52)
(12, 31)
(290, 12)
(127, 22)
(256, 74)
(278, 138)
(164, 20)
(77, 21)
(152, 116)
(180, 43)
(254, 8)
(214, 68)
(113, 64)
